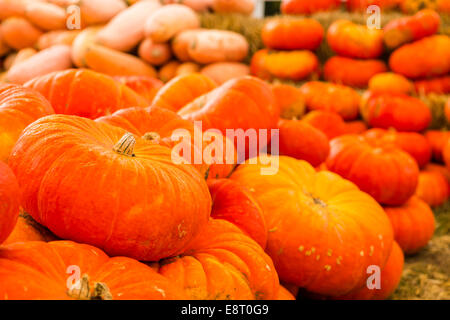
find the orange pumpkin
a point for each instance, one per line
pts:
(447, 110)
(18, 108)
(183, 89)
(331, 97)
(284, 294)
(355, 41)
(413, 224)
(399, 111)
(308, 7)
(355, 127)
(329, 256)
(437, 140)
(27, 229)
(442, 170)
(290, 101)
(390, 83)
(76, 92)
(439, 85)
(74, 159)
(362, 5)
(292, 34)
(78, 271)
(145, 86)
(432, 188)
(387, 173)
(10, 201)
(329, 123)
(352, 72)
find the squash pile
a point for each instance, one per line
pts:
(107, 193)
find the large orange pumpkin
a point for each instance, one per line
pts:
(61, 270)
(387, 173)
(323, 231)
(329, 123)
(18, 108)
(9, 200)
(413, 224)
(95, 183)
(390, 82)
(85, 93)
(432, 188)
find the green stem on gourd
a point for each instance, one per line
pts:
(125, 146)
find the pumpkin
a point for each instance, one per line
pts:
(10, 201)
(300, 140)
(247, 96)
(181, 42)
(308, 7)
(323, 231)
(415, 144)
(355, 41)
(258, 65)
(399, 111)
(362, 5)
(292, 34)
(390, 83)
(168, 71)
(390, 277)
(442, 170)
(437, 140)
(18, 108)
(284, 294)
(183, 89)
(439, 85)
(234, 203)
(27, 229)
(55, 37)
(187, 68)
(19, 33)
(222, 263)
(76, 92)
(407, 29)
(78, 271)
(233, 6)
(155, 54)
(145, 86)
(432, 188)
(328, 122)
(352, 72)
(290, 101)
(75, 158)
(413, 224)
(331, 97)
(221, 72)
(196, 5)
(355, 127)
(387, 173)
(46, 16)
(428, 57)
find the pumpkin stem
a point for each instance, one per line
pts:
(319, 202)
(152, 136)
(82, 291)
(125, 146)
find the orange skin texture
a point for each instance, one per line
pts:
(292, 34)
(437, 140)
(355, 127)
(285, 294)
(258, 65)
(25, 267)
(337, 220)
(149, 188)
(361, 5)
(75, 92)
(221, 72)
(222, 263)
(328, 122)
(428, 57)
(233, 6)
(46, 16)
(154, 53)
(234, 203)
(19, 33)
(432, 188)
(180, 44)
(413, 224)
(355, 41)
(399, 111)
(433, 167)
(390, 83)
(331, 97)
(18, 108)
(291, 65)
(439, 85)
(389, 279)
(187, 68)
(26, 229)
(290, 101)
(407, 29)
(183, 89)
(415, 144)
(352, 72)
(168, 71)
(387, 173)
(307, 7)
(145, 86)
(300, 140)
(10, 201)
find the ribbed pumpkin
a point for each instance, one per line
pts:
(413, 224)
(399, 111)
(300, 140)
(18, 108)
(437, 140)
(323, 231)
(27, 229)
(389, 82)
(415, 144)
(331, 97)
(222, 263)
(433, 167)
(432, 188)
(145, 86)
(234, 203)
(329, 123)
(9, 200)
(85, 93)
(438, 85)
(290, 100)
(47, 271)
(387, 173)
(95, 183)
